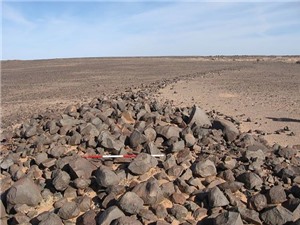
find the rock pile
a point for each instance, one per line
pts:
(211, 173)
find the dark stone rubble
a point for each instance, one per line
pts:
(211, 172)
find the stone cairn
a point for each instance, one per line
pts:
(211, 173)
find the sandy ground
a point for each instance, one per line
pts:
(267, 93)
(29, 87)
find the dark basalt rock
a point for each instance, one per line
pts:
(210, 173)
(24, 191)
(142, 163)
(131, 203)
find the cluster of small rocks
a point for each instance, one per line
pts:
(211, 173)
(286, 130)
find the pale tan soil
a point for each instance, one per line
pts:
(29, 87)
(268, 93)
(231, 85)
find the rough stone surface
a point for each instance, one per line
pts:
(81, 168)
(254, 155)
(2, 210)
(229, 129)
(149, 191)
(88, 218)
(152, 149)
(228, 218)
(131, 203)
(110, 142)
(147, 216)
(6, 163)
(250, 180)
(30, 131)
(41, 157)
(258, 202)
(169, 162)
(177, 146)
(167, 189)
(126, 220)
(251, 216)
(178, 198)
(189, 140)
(142, 163)
(61, 180)
(68, 210)
(84, 203)
(287, 153)
(229, 163)
(106, 177)
(199, 117)
(75, 139)
(82, 183)
(277, 194)
(179, 211)
(24, 191)
(57, 151)
(216, 198)
(277, 216)
(205, 168)
(136, 138)
(161, 211)
(168, 131)
(51, 219)
(109, 215)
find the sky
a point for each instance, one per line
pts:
(69, 29)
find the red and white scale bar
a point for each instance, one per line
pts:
(129, 156)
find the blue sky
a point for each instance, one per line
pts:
(54, 29)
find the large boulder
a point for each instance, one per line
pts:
(106, 177)
(149, 191)
(216, 198)
(199, 117)
(228, 218)
(81, 168)
(277, 195)
(88, 218)
(68, 210)
(276, 216)
(61, 180)
(131, 203)
(24, 191)
(142, 163)
(168, 131)
(51, 219)
(228, 128)
(204, 168)
(126, 220)
(136, 138)
(250, 180)
(109, 215)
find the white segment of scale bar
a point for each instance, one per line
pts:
(122, 156)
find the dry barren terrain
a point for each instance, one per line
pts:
(32, 86)
(266, 91)
(148, 155)
(264, 97)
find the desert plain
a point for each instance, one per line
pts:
(202, 140)
(261, 92)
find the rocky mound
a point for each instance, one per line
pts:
(210, 173)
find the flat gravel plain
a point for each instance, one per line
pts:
(264, 90)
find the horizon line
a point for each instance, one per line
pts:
(158, 56)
